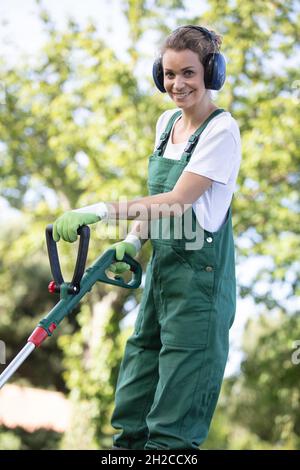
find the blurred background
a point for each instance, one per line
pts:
(77, 123)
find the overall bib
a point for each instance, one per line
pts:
(173, 366)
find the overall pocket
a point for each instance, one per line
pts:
(202, 266)
(188, 303)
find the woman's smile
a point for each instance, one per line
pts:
(182, 96)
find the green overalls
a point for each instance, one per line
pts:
(172, 370)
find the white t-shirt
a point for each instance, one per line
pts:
(217, 156)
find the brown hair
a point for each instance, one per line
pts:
(186, 37)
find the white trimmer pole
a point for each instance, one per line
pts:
(15, 363)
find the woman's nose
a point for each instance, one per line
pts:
(178, 82)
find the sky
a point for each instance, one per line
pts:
(26, 32)
(23, 35)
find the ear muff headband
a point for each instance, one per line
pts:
(214, 66)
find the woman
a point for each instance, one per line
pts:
(174, 361)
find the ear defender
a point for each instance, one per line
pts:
(214, 67)
(158, 75)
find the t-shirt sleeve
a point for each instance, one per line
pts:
(215, 156)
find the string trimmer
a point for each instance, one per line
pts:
(71, 292)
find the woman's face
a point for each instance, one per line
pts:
(183, 77)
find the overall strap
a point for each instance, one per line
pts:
(159, 151)
(193, 140)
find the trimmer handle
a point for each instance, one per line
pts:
(108, 258)
(74, 286)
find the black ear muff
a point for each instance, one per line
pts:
(158, 75)
(215, 71)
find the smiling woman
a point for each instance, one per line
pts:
(172, 370)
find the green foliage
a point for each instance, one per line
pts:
(18, 439)
(267, 391)
(259, 408)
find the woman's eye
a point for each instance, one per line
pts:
(187, 73)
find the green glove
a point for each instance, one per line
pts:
(66, 225)
(122, 248)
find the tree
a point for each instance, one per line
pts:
(259, 408)
(262, 95)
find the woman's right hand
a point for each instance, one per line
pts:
(121, 248)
